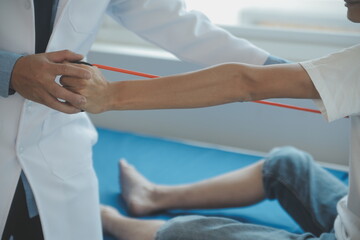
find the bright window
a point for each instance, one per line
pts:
(324, 15)
(292, 29)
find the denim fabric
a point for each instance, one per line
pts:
(303, 188)
(7, 62)
(30, 199)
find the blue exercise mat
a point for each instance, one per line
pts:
(170, 162)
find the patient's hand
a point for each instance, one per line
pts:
(96, 90)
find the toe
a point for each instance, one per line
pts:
(123, 162)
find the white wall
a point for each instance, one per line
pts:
(244, 125)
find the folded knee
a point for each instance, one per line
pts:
(287, 159)
(285, 165)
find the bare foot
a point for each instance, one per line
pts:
(109, 216)
(125, 228)
(139, 194)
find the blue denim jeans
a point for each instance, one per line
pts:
(303, 188)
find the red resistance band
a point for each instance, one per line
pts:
(154, 76)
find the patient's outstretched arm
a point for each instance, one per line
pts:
(226, 83)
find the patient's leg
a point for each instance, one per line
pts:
(124, 228)
(234, 189)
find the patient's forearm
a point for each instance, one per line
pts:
(213, 86)
(280, 81)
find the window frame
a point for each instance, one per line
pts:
(291, 44)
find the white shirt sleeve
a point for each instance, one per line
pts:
(337, 79)
(188, 34)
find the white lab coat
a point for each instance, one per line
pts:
(54, 149)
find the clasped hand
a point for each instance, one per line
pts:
(33, 77)
(96, 89)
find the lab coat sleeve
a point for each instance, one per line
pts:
(187, 34)
(7, 62)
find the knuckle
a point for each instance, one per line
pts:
(71, 98)
(64, 69)
(57, 93)
(66, 52)
(81, 84)
(84, 71)
(43, 65)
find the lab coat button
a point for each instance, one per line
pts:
(27, 4)
(21, 149)
(28, 108)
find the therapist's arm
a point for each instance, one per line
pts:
(213, 86)
(189, 35)
(33, 77)
(7, 62)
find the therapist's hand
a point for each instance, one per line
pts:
(33, 77)
(96, 90)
